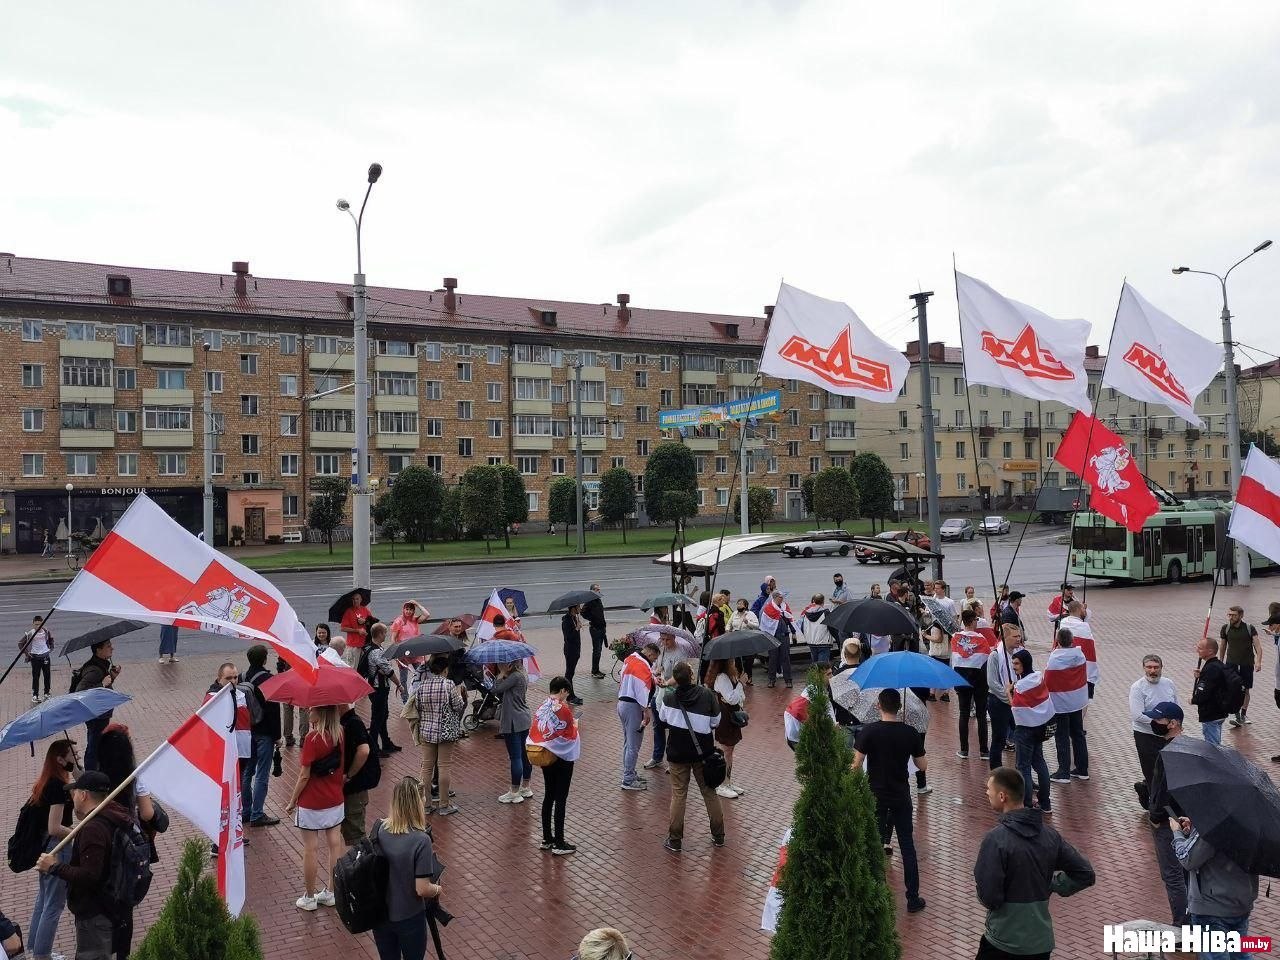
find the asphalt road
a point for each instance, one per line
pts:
(625, 582)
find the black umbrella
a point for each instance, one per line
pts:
(739, 643)
(1233, 804)
(870, 615)
(345, 602)
(574, 598)
(109, 632)
(424, 645)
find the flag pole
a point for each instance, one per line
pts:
(136, 771)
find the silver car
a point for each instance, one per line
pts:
(994, 525)
(957, 528)
(808, 548)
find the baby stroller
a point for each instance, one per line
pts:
(484, 706)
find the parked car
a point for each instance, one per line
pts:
(957, 528)
(826, 547)
(913, 537)
(992, 525)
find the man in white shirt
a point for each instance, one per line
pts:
(37, 647)
(1147, 691)
(944, 601)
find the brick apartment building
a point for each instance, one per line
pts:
(108, 365)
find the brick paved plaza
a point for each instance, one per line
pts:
(511, 901)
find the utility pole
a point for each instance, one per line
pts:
(577, 404)
(207, 470)
(926, 408)
(745, 525)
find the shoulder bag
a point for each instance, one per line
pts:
(714, 769)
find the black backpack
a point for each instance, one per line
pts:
(1232, 687)
(360, 881)
(370, 774)
(29, 836)
(128, 871)
(362, 665)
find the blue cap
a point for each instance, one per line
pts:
(1165, 711)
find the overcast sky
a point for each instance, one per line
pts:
(691, 154)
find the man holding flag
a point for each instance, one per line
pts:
(776, 620)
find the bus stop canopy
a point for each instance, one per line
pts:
(702, 558)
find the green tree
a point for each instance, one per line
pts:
(1261, 439)
(481, 491)
(759, 507)
(515, 502)
(617, 497)
(671, 469)
(834, 495)
(385, 521)
(416, 502)
(194, 923)
(328, 504)
(561, 507)
(833, 856)
(874, 481)
(806, 495)
(450, 523)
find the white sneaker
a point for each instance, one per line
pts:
(923, 791)
(511, 796)
(526, 793)
(34, 698)
(726, 792)
(325, 898)
(306, 902)
(737, 789)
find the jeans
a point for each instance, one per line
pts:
(521, 768)
(680, 774)
(168, 641)
(598, 638)
(893, 815)
(659, 739)
(631, 716)
(1069, 738)
(973, 698)
(1030, 758)
(1172, 875)
(1212, 732)
(51, 898)
(255, 775)
(987, 951)
(402, 939)
(93, 731)
(403, 673)
(572, 653)
(378, 713)
(780, 661)
(1001, 722)
(40, 667)
(94, 937)
(1239, 924)
(555, 793)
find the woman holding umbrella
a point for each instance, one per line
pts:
(316, 804)
(439, 708)
(49, 797)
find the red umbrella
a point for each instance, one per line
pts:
(468, 620)
(334, 685)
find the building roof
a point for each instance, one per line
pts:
(32, 280)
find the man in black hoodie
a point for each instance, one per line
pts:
(593, 613)
(98, 671)
(1209, 696)
(691, 713)
(1021, 861)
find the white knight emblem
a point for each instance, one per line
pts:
(1108, 464)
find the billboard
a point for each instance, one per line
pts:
(760, 405)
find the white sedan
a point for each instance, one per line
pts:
(826, 547)
(993, 525)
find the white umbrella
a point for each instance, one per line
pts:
(864, 704)
(685, 640)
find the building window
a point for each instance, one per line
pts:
(435, 463)
(959, 418)
(984, 449)
(395, 348)
(665, 362)
(32, 331)
(962, 484)
(532, 388)
(618, 463)
(82, 464)
(288, 343)
(166, 335)
(592, 391)
(642, 414)
(79, 372)
(532, 498)
(464, 409)
(171, 464)
(333, 421)
(219, 464)
(815, 432)
(126, 335)
(722, 497)
(213, 338)
(815, 401)
(642, 448)
(984, 417)
(33, 464)
(324, 345)
(557, 393)
(665, 398)
(815, 464)
(166, 418)
(960, 449)
(495, 427)
(248, 363)
(590, 466)
(288, 424)
(430, 350)
(248, 404)
(464, 372)
(464, 349)
(171, 379)
(493, 353)
(642, 379)
(288, 385)
(464, 446)
(126, 378)
(397, 462)
(396, 384)
(289, 505)
(532, 353)
(619, 429)
(249, 444)
(126, 421)
(557, 466)
(213, 381)
(1006, 450)
(527, 465)
(1006, 418)
(615, 396)
(326, 464)
(33, 419)
(248, 338)
(397, 421)
(722, 464)
(77, 330)
(493, 392)
(288, 464)
(904, 451)
(771, 465)
(434, 427)
(431, 390)
(531, 425)
(251, 477)
(126, 464)
(85, 417)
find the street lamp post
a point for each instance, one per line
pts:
(69, 488)
(577, 406)
(1233, 410)
(744, 525)
(920, 478)
(207, 467)
(360, 468)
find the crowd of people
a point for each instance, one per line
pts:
(696, 711)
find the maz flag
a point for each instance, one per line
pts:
(195, 773)
(1009, 344)
(1066, 673)
(493, 607)
(150, 568)
(1155, 359)
(824, 343)
(1255, 516)
(1032, 706)
(1117, 489)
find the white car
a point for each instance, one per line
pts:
(992, 525)
(957, 528)
(826, 547)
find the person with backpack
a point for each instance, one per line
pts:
(316, 803)
(1218, 691)
(264, 734)
(691, 714)
(381, 674)
(97, 891)
(1240, 650)
(42, 823)
(362, 771)
(554, 738)
(411, 875)
(37, 646)
(97, 671)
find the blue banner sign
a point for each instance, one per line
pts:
(760, 405)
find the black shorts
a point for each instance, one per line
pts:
(1244, 671)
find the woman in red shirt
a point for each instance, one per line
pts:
(316, 805)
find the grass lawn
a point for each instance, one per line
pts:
(651, 540)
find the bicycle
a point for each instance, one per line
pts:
(75, 558)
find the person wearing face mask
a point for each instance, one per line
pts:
(49, 795)
(744, 619)
(1165, 720)
(839, 592)
(1148, 690)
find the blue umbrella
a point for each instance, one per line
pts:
(906, 669)
(59, 713)
(499, 651)
(507, 593)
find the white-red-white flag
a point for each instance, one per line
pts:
(1066, 673)
(773, 898)
(1032, 706)
(823, 342)
(493, 607)
(1009, 344)
(1156, 359)
(772, 614)
(149, 568)
(1255, 516)
(196, 773)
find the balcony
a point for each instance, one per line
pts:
(590, 408)
(589, 373)
(337, 361)
(1154, 433)
(397, 441)
(534, 443)
(346, 400)
(165, 439)
(70, 439)
(335, 440)
(536, 371)
(167, 398)
(839, 415)
(589, 444)
(177, 356)
(92, 396)
(392, 364)
(753, 443)
(702, 443)
(1192, 434)
(742, 380)
(986, 431)
(1030, 433)
(392, 402)
(841, 444)
(97, 349)
(701, 377)
(537, 408)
